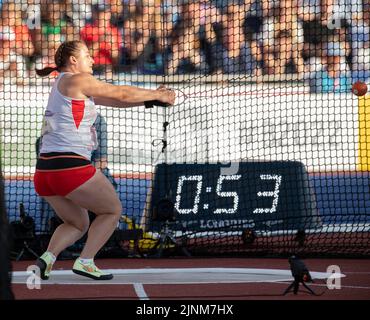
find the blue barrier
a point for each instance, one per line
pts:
(343, 197)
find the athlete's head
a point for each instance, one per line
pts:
(72, 56)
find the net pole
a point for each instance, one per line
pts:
(5, 265)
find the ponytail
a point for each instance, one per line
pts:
(65, 50)
(46, 71)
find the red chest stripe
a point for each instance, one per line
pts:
(78, 108)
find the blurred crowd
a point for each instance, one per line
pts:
(323, 41)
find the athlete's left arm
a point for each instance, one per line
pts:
(108, 102)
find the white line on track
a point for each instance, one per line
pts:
(140, 292)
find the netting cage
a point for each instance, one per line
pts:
(266, 150)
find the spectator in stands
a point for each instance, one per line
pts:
(334, 75)
(191, 34)
(141, 37)
(237, 55)
(282, 40)
(265, 41)
(289, 38)
(257, 11)
(117, 18)
(103, 40)
(55, 28)
(360, 46)
(79, 12)
(314, 15)
(15, 44)
(350, 10)
(171, 12)
(56, 22)
(212, 29)
(32, 12)
(163, 24)
(7, 38)
(129, 8)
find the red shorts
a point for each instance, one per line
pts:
(61, 182)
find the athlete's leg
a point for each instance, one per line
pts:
(98, 195)
(75, 223)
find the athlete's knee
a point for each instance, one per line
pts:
(117, 209)
(111, 206)
(85, 227)
(82, 226)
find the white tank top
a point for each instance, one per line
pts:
(68, 124)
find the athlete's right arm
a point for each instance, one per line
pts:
(125, 95)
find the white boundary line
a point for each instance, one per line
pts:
(264, 274)
(260, 271)
(140, 292)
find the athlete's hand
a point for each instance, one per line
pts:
(164, 98)
(167, 95)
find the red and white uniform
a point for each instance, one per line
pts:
(68, 124)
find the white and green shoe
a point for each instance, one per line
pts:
(45, 263)
(90, 270)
